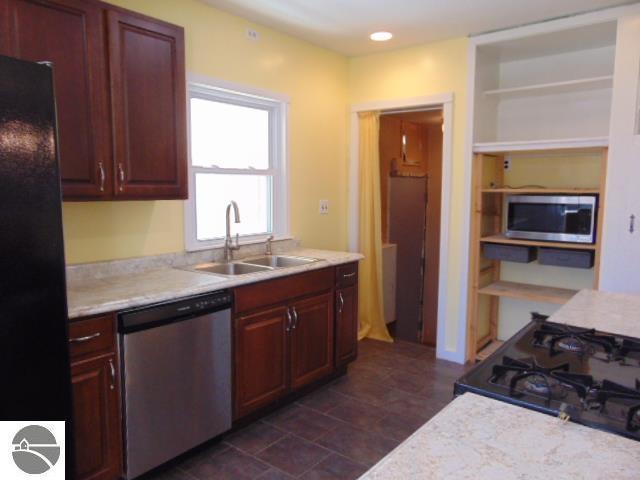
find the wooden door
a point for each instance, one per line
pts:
(311, 340)
(261, 359)
(70, 34)
(346, 325)
(149, 107)
(96, 418)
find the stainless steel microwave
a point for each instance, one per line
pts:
(566, 218)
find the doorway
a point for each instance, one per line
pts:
(411, 190)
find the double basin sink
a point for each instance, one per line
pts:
(254, 265)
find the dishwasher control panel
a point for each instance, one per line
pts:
(153, 315)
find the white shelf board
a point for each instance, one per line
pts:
(568, 86)
(538, 145)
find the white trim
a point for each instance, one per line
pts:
(278, 107)
(534, 145)
(445, 101)
(580, 20)
(231, 87)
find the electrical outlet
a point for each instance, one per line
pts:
(324, 207)
(253, 34)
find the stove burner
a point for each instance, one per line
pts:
(572, 344)
(541, 385)
(534, 378)
(559, 338)
(610, 390)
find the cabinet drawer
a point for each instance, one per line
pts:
(282, 290)
(346, 275)
(92, 336)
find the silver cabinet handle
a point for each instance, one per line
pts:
(121, 174)
(295, 318)
(348, 275)
(84, 339)
(289, 320)
(112, 368)
(341, 298)
(632, 223)
(102, 176)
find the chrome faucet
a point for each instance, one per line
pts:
(267, 245)
(229, 247)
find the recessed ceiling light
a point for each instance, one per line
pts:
(381, 36)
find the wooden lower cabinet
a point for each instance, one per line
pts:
(292, 332)
(96, 422)
(261, 352)
(346, 325)
(311, 340)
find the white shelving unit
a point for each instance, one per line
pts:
(547, 91)
(567, 86)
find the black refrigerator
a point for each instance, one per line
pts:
(34, 357)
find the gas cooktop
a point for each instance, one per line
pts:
(577, 374)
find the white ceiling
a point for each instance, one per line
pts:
(344, 25)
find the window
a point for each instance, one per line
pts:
(237, 151)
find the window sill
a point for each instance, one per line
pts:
(252, 240)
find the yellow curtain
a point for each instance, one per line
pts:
(372, 322)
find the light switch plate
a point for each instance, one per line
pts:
(324, 207)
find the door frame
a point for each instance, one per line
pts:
(445, 102)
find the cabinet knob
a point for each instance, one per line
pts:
(289, 320)
(112, 367)
(121, 175)
(632, 223)
(84, 339)
(102, 175)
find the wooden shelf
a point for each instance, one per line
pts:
(586, 143)
(537, 243)
(569, 191)
(568, 86)
(489, 349)
(523, 291)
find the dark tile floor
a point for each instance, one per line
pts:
(339, 431)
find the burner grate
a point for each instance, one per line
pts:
(559, 338)
(609, 390)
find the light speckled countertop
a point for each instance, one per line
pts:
(92, 296)
(476, 438)
(617, 313)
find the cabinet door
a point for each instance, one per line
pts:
(149, 107)
(96, 418)
(311, 340)
(620, 260)
(346, 325)
(70, 34)
(261, 359)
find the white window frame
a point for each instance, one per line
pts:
(278, 107)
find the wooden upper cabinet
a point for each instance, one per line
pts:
(311, 340)
(148, 97)
(69, 33)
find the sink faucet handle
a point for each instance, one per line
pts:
(267, 247)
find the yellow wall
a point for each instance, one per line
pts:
(426, 70)
(217, 45)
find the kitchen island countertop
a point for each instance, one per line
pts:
(93, 296)
(475, 437)
(617, 313)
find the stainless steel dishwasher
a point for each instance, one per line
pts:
(177, 377)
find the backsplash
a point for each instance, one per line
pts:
(116, 268)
